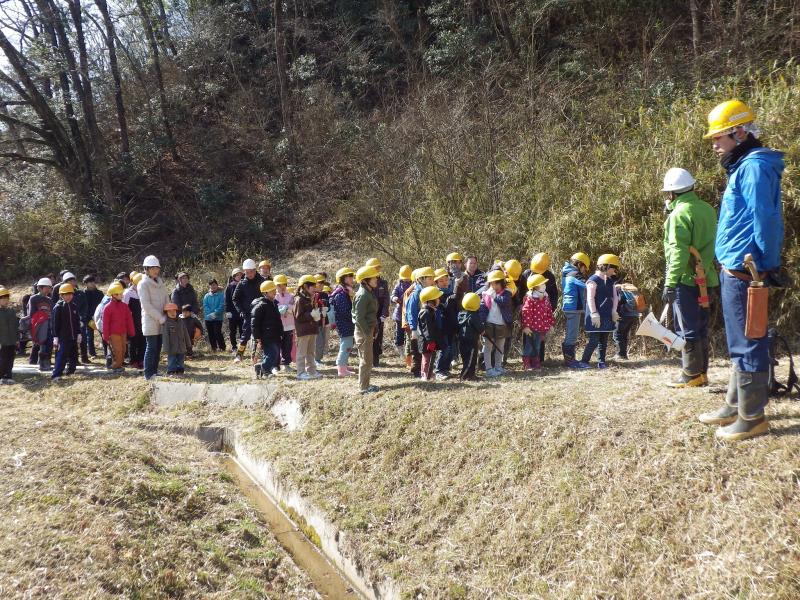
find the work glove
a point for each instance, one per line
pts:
(430, 347)
(282, 309)
(596, 320)
(229, 315)
(162, 319)
(615, 317)
(315, 314)
(670, 295)
(55, 342)
(527, 331)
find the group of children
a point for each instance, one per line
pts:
(438, 315)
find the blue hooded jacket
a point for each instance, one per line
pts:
(574, 289)
(750, 217)
(413, 307)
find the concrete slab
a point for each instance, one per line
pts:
(247, 395)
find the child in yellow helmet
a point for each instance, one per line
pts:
(602, 299)
(396, 298)
(470, 330)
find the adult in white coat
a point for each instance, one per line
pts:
(153, 295)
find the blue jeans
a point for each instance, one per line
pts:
(272, 353)
(175, 363)
(572, 328)
(445, 357)
(152, 354)
(345, 345)
(531, 344)
(67, 355)
(598, 340)
(691, 319)
(748, 356)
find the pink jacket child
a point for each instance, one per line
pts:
(537, 313)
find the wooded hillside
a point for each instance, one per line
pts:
(501, 127)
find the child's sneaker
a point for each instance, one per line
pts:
(275, 370)
(580, 365)
(57, 379)
(304, 377)
(7, 381)
(315, 375)
(602, 365)
(619, 358)
(492, 373)
(318, 364)
(442, 377)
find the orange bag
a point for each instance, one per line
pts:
(757, 312)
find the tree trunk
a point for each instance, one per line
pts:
(280, 59)
(697, 32)
(162, 96)
(164, 28)
(112, 59)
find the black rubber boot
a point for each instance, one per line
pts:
(692, 367)
(753, 395)
(727, 413)
(44, 363)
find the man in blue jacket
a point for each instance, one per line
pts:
(750, 222)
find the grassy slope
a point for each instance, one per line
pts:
(94, 506)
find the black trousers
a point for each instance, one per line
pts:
(286, 347)
(136, 346)
(469, 351)
(597, 341)
(235, 328)
(7, 354)
(377, 343)
(622, 333)
(215, 337)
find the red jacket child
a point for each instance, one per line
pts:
(117, 320)
(537, 313)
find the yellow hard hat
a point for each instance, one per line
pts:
(4, 292)
(405, 273)
(581, 257)
(496, 276)
(439, 273)
(471, 301)
(423, 272)
(327, 289)
(265, 263)
(114, 288)
(536, 280)
(133, 274)
(454, 256)
(609, 259)
(373, 262)
(728, 115)
(430, 293)
(366, 272)
(344, 272)
(319, 278)
(280, 279)
(66, 288)
(540, 262)
(306, 279)
(513, 268)
(136, 278)
(267, 286)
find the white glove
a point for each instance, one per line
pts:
(615, 317)
(162, 319)
(80, 339)
(315, 314)
(55, 342)
(596, 320)
(282, 309)
(229, 315)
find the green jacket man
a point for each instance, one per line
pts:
(691, 223)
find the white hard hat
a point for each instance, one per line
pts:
(249, 264)
(678, 180)
(44, 281)
(151, 261)
(67, 276)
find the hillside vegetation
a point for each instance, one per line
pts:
(204, 129)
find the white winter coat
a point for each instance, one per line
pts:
(153, 295)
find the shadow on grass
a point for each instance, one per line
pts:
(784, 431)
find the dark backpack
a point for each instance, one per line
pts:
(777, 388)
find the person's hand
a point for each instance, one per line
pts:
(615, 317)
(229, 315)
(315, 314)
(430, 347)
(595, 320)
(80, 339)
(162, 319)
(670, 295)
(282, 309)
(259, 345)
(414, 335)
(211, 316)
(55, 342)
(527, 331)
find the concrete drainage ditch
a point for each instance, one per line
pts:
(315, 544)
